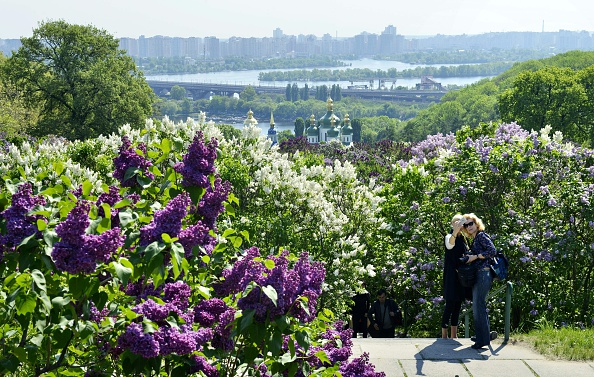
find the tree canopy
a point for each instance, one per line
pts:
(82, 82)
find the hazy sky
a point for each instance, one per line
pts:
(258, 18)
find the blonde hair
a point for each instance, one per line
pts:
(479, 223)
(457, 217)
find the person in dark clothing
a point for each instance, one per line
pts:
(482, 250)
(453, 292)
(383, 317)
(362, 302)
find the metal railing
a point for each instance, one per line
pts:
(508, 288)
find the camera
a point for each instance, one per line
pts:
(464, 259)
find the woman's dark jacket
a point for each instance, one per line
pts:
(452, 289)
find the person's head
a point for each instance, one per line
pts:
(458, 218)
(381, 295)
(473, 224)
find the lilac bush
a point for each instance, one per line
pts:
(132, 277)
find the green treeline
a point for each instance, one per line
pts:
(351, 74)
(557, 91)
(467, 56)
(179, 65)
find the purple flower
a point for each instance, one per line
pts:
(207, 312)
(20, 225)
(167, 220)
(78, 252)
(138, 342)
(111, 198)
(130, 159)
(360, 367)
(198, 163)
(200, 364)
(211, 203)
(196, 235)
(172, 340)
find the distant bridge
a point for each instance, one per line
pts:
(205, 90)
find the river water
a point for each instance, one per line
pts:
(251, 77)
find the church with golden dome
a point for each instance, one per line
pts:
(325, 130)
(328, 129)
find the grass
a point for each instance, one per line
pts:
(564, 343)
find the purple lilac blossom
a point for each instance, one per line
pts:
(138, 342)
(196, 235)
(171, 340)
(177, 294)
(360, 367)
(130, 159)
(78, 252)
(111, 198)
(200, 364)
(167, 220)
(198, 163)
(207, 312)
(211, 203)
(19, 225)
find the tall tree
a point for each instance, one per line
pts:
(294, 93)
(357, 125)
(299, 127)
(85, 85)
(549, 96)
(178, 92)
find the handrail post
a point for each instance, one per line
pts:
(508, 298)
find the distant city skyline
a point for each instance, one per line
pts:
(227, 18)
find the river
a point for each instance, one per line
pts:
(251, 77)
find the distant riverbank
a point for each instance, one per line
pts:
(251, 77)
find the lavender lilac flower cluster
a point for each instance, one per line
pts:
(167, 220)
(78, 252)
(198, 163)
(19, 225)
(305, 279)
(130, 159)
(181, 340)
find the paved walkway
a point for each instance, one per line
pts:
(454, 358)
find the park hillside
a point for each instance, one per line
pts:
(141, 246)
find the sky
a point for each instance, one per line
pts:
(258, 18)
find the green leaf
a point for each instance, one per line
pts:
(282, 322)
(276, 343)
(228, 232)
(269, 263)
(87, 186)
(39, 280)
(204, 292)
(126, 218)
(302, 338)
(288, 357)
(271, 293)
(123, 270)
(321, 354)
(106, 210)
(60, 301)
(131, 172)
(66, 181)
(25, 303)
(245, 235)
(41, 225)
(196, 193)
(122, 203)
(152, 251)
(246, 320)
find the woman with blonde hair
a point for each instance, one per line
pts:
(483, 250)
(453, 292)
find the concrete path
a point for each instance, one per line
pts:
(454, 358)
